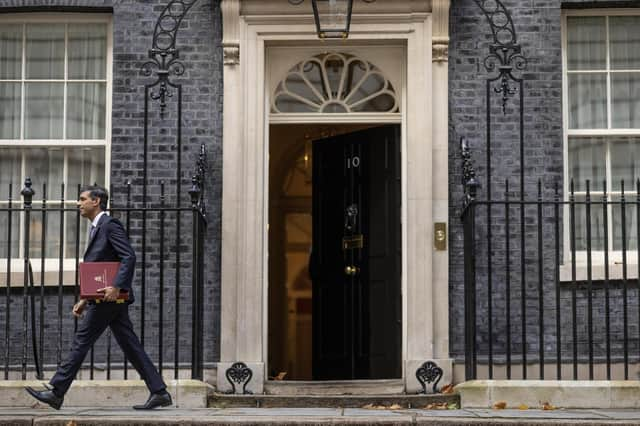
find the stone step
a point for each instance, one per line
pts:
(568, 394)
(219, 400)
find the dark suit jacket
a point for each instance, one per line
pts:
(110, 244)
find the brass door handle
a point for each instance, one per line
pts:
(351, 270)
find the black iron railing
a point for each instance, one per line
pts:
(166, 260)
(551, 281)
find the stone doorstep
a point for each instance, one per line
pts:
(186, 393)
(592, 394)
(218, 400)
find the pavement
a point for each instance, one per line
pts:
(68, 416)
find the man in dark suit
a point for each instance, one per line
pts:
(107, 243)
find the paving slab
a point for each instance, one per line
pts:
(620, 414)
(528, 422)
(307, 412)
(540, 414)
(8, 420)
(157, 413)
(311, 416)
(444, 413)
(360, 412)
(186, 393)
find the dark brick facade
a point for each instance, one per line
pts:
(199, 43)
(538, 28)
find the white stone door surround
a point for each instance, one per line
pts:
(250, 28)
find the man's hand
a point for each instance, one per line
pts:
(78, 308)
(110, 293)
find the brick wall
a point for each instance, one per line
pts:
(198, 41)
(538, 28)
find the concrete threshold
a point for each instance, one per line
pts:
(334, 387)
(594, 394)
(186, 393)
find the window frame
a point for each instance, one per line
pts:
(615, 256)
(22, 143)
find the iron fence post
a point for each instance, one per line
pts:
(201, 228)
(469, 292)
(7, 309)
(27, 199)
(194, 193)
(471, 186)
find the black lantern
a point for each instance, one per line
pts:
(333, 17)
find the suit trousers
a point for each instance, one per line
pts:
(98, 317)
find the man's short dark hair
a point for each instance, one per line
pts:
(96, 191)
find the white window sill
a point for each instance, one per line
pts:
(597, 271)
(51, 272)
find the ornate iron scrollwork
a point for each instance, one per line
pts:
(239, 374)
(505, 54)
(428, 373)
(499, 18)
(163, 53)
(197, 182)
(469, 180)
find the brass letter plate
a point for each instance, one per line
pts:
(440, 235)
(353, 242)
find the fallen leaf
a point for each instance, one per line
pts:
(374, 407)
(280, 376)
(71, 423)
(453, 406)
(500, 405)
(447, 389)
(395, 407)
(436, 406)
(523, 407)
(547, 406)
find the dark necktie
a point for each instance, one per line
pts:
(92, 232)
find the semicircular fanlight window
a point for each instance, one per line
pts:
(335, 83)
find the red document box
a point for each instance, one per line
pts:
(95, 275)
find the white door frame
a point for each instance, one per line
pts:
(250, 27)
(390, 60)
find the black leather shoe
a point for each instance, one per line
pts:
(160, 399)
(46, 396)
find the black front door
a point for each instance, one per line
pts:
(356, 252)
